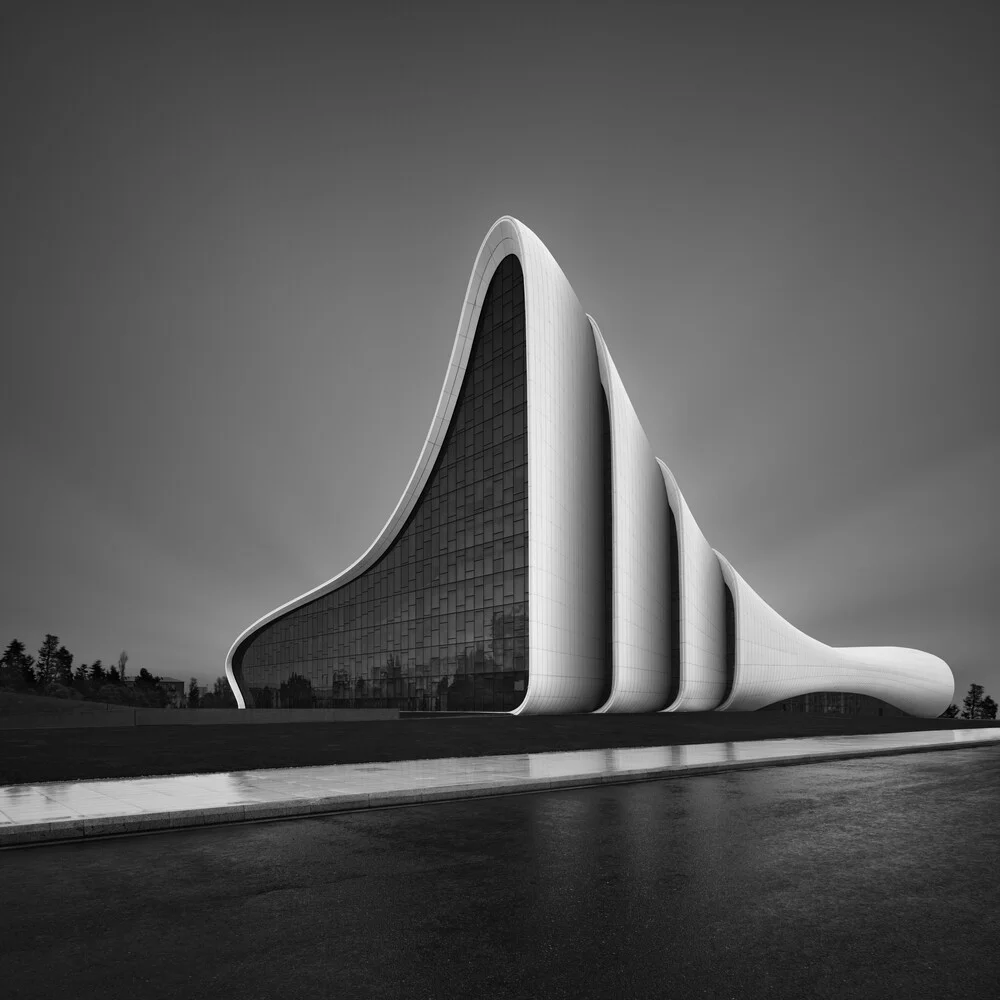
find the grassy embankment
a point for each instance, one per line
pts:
(29, 755)
(18, 703)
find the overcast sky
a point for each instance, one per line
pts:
(236, 240)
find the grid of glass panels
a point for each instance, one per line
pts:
(835, 703)
(440, 622)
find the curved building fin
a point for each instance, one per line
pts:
(701, 611)
(640, 555)
(775, 661)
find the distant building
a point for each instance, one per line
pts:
(174, 689)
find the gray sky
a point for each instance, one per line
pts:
(235, 242)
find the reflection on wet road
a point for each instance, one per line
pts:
(851, 879)
(67, 810)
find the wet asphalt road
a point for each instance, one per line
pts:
(868, 878)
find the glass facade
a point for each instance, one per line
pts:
(609, 543)
(835, 703)
(675, 612)
(730, 640)
(440, 622)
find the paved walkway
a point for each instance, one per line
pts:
(54, 811)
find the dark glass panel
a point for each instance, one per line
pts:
(730, 640)
(410, 631)
(609, 578)
(675, 612)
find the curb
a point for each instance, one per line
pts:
(77, 829)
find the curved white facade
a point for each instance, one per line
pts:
(640, 571)
(775, 661)
(565, 479)
(566, 638)
(702, 611)
(596, 492)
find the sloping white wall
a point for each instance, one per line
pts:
(566, 637)
(566, 633)
(702, 611)
(774, 661)
(501, 240)
(640, 602)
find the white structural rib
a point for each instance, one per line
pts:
(701, 612)
(565, 495)
(566, 629)
(640, 564)
(775, 661)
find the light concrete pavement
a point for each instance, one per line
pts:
(55, 811)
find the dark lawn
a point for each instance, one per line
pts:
(131, 751)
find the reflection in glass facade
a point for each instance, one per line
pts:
(835, 703)
(730, 641)
(440, 622)
(609, 541)
(675, 611)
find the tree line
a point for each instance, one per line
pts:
(975, 705)
(51, 672)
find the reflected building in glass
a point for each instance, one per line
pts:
(542, 559)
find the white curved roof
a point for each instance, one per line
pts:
(774, 661)
(565, 478)
(502, 239)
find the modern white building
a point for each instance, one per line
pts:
(542, 559)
